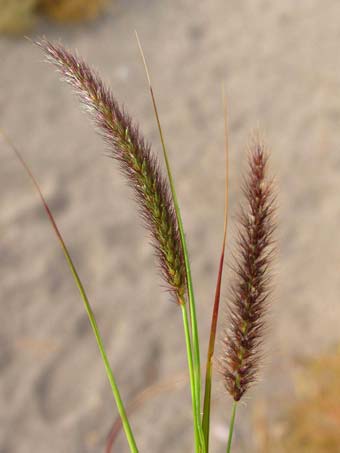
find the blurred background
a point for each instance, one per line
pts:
(280, 65)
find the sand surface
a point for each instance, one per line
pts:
(280, 63)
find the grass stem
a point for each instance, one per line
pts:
(191, 373)
(191, 297)
(231, 426)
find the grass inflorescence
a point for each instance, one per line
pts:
(249, 293)
(138, 163)
(159, 208)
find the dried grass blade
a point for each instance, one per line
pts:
(214, 319)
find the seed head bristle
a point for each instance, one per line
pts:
(137, 162)
(249, 293)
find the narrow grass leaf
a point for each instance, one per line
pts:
(194, 342)
(214, 319)
(92, 320)
(152, 391)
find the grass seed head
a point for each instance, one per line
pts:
(137, 162)
(249, 293)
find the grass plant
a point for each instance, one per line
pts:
(158, 205)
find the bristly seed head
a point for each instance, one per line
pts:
(242, 340)
(136, 161)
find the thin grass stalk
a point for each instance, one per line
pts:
(192, 304)
(153, 390)
(191, 297)
(231, 426)
(191, 375)
(90, 314)
(214, 318)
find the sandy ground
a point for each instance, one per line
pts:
(280, 64)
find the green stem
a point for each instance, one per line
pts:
(191, 372)
(114, 387)
(192, 306)
(231, 426)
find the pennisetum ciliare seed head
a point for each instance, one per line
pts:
(137, 162)
(250, 290)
